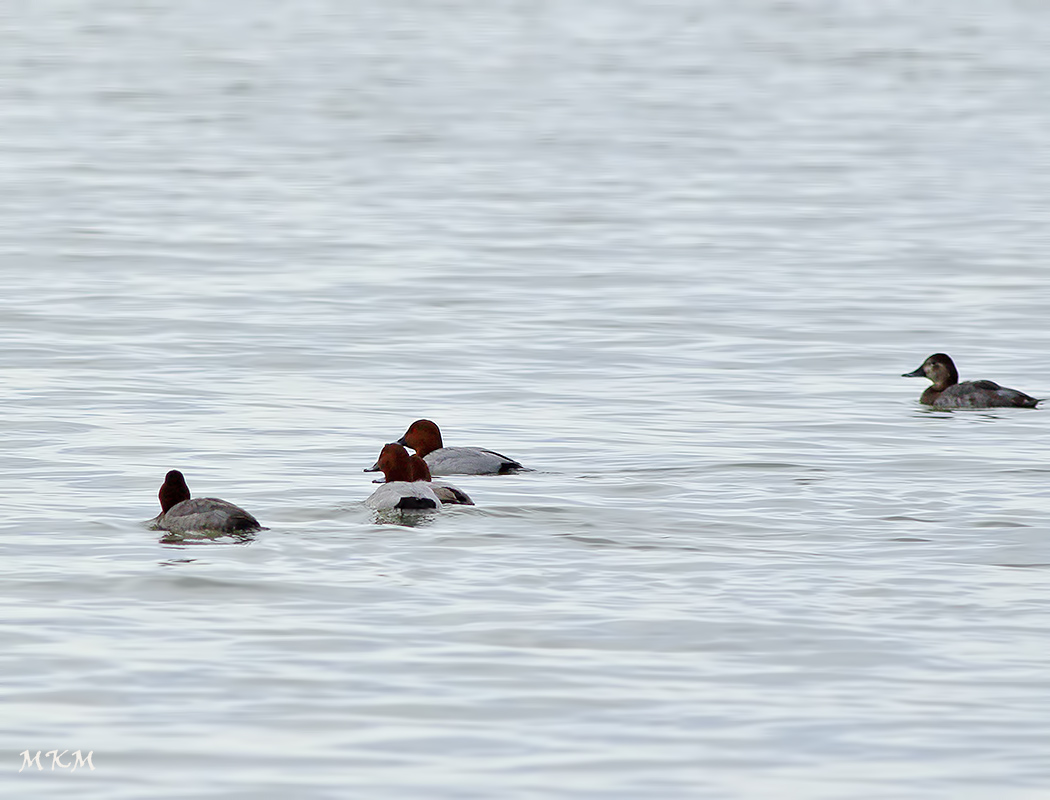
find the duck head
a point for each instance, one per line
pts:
(938, 368)
(423, 436)
(173, 491)
(395, 463)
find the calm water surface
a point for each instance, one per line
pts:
(672, 255)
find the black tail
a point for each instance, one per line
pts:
(415, 503)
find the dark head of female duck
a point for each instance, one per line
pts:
(173, 491)
(939, 368)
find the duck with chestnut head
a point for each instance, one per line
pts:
(402, 491)
(179, 513)
(424, 437)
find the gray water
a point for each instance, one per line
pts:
(674, 256)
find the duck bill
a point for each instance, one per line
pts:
(373, 468)
(402, 442)
(916, 374)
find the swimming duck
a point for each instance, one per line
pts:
(179, 514)
(402, 490)
(424, 437)
(947, 392)
(447, 494)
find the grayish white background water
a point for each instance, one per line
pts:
(673, 255)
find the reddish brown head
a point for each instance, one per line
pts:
(420, 470)
(422, 436)
(395, 463)
(173, 490)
